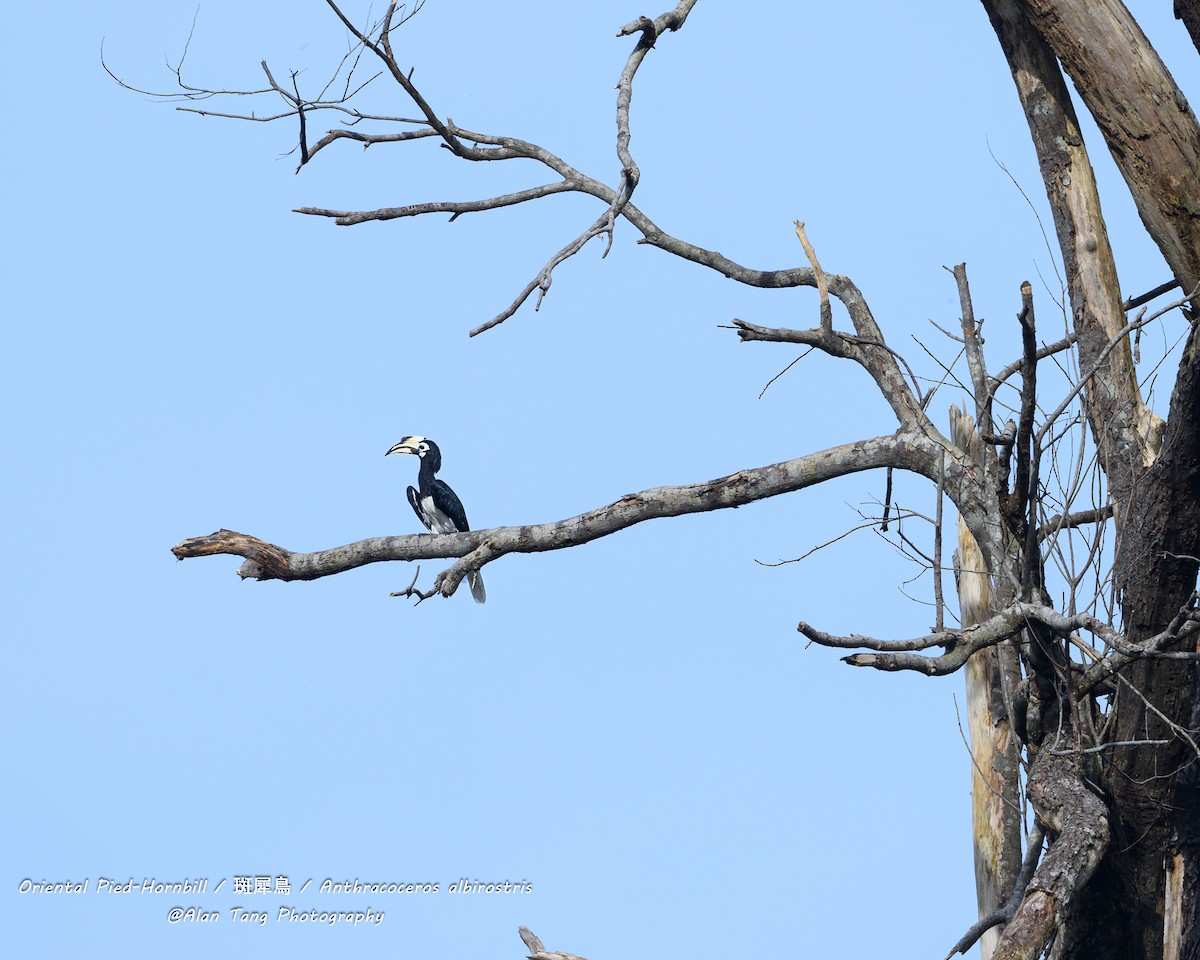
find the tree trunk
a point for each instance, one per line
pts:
(1142, 900)
(995, 761)
(1189, 12)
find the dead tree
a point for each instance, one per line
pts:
(1085, 710)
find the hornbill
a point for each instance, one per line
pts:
(437, 506)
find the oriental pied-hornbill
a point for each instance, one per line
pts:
(437, 506)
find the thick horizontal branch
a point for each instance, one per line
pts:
(266, 561)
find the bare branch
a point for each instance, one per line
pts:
(545, 277)
(1125, 652)
(783, 371)
(366, 139)
(1118, 339)
(868, 525)
(265, 561)
(405, 82)
(304, 154)
(883, 367)
(892, 655)
(630, 174)
(412, 591)
(1027, 449)
(939, 604)
(973, 344)
(348, 218)
(826, 325)
(1115, 744)
(1047, 350)
(1134, 302)
(456, 141)
(1066, 521)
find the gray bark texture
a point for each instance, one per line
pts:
(1151, 471)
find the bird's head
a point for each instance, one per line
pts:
(421, 447)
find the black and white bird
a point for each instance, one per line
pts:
(437, 506)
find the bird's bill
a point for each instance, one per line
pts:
(407, 445)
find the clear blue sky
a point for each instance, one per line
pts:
(634, 727)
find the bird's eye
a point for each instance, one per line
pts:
(423, 447)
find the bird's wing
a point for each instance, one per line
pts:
(414, 499)
(447, 501)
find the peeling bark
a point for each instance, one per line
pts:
(995, 798)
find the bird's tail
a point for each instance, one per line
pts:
(477, 591)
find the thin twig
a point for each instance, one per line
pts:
(1004, 914)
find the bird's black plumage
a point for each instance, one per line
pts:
(435, 504)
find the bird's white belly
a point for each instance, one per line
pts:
(438, 521)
